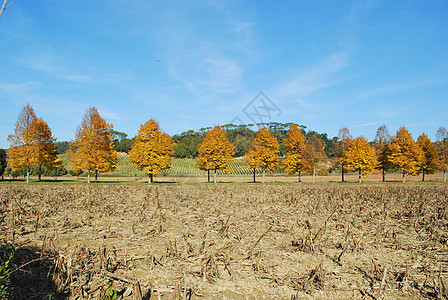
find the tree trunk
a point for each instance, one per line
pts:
(254, 175)
(314, 175)
(403, 176)
(88, 177)
(384, 174)
(39, 173)
(423, 175)
(27, 175)
(300, 178)
(444, 175)
(264, 171)
(342, 172)
(96, 175)
(208, 175)
(150, 178)
(360, 174)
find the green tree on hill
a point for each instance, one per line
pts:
(187, 144)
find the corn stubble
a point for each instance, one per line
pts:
(287, 241)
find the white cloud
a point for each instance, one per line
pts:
(18, 87)
(109, 115)
(396, 88)
(52, 65)
(74, 77)
(222, 75)
(311, 80)
(368, 124)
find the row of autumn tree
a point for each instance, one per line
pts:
(32, 144)
(399, 152)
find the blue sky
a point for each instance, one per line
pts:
(192, 64)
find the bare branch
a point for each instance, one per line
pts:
(5, 6)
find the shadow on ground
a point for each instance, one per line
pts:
(31, 275)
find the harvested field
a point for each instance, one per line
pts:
(291, 241)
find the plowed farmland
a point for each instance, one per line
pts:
(287, 241)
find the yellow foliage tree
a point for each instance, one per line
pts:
(93, 148)
(296, 160)
(263, 152)
(430, 162)
(215, 152)
(43, 146)
(359, 156)
(405, 153)
(22, 153)
(152, 149)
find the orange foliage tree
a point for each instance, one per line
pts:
(152, 149)
(32, 143)
(21, 153)
(405, 153)
(359, 156)
(93, 148)
(430, 162)
(442, 145)
(215, 152)
(263, 152)
(43, 146)
(296, 160)
(315, 154)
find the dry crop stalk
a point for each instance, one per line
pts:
(324, 226)
(383, 282)
(259, 239)
(36, 227)
(345, 244)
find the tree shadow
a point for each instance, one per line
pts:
(31, 274)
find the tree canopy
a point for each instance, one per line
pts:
(216, 151)
(152, 149)
(44, 148)
(263, 152)
(430, 162)
(296, 160)
(93, 148)
(381, 142)
(404, 153)
(359, 156)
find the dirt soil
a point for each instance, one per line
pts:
(227, 241)
(330, 178)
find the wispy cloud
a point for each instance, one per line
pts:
(49, 63)
(109, 114)
(216, 75)
(368, 124)
(421, 124)
(400, 87)
(311, 80)
(18, 87)
(206, 66)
